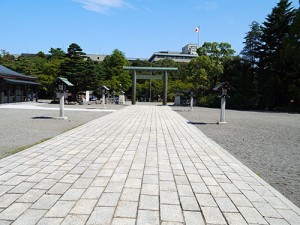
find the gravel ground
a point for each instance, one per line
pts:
(30, 123)
(268, 143)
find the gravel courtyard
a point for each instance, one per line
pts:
(268, 143)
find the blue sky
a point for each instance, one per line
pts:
(136, 27)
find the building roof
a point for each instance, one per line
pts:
(14, 81)
(64, 80)
(8, 73)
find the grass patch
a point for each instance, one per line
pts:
(14, 151)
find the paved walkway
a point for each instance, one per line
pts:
(139, 165)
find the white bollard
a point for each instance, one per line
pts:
(103, 101)
(223, 104)
(191, 103)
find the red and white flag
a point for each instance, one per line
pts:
(196, 29)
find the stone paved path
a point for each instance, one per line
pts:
(139, 165)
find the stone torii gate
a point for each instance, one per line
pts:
(163, 77)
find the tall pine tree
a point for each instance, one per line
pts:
(273, 64)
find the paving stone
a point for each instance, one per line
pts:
(37, 177)
(84, 206)
(31, 196)
(290, 216)
(181, 180)
(101, 216)
(240, 200)
(230, 188)
(213, 215)
(226, 205)
(189, 203)
(126, 209)
(185, 190)
(168, 197)
(30, 217)
(235, 219)
(252, 216)
(217, 192)
(171, 213)
(266, 210)
(100, 181)
(276, 221)
(130, 194)
(60, 209)
(205, 200)
(14, 211)
(167, 186)
(8, 199)
(150, 179)
(59, 188)
(93, 192)
(45, 184)
(69, 178)
(82, 183)
(200, 188)
(146, 217)
(148, 202)
(75, 220)
(46, 202)
(50, 221)
(72, 194)
(275, 202)
(192, 218)
(114, 187)
(109, 199)
(150, 189)
(253, 196)
(5, 222)
(123, 221)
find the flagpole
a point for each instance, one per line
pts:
(198, 36)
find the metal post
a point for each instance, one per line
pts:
(223, 103)
(133, 97)
(165, 95)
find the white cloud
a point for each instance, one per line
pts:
(102, 6)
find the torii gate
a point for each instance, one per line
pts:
(156, 77)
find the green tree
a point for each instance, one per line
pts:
(73, 67)
(273, 64)
(115, 76)
(216, 51)
(252, 43)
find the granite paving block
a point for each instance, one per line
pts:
(146, 217)
(84, 206)
(14, 211)
(212, 215)
(136, 166)
(30, 217)
(75, 220)
(235, 219)
(149, 202)
(60, 209)
(171, 213)
(189, 203)
(252, 216)
(126, 209)
(101, 216)
(192, 218)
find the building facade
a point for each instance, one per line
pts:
(188, 53)
(16, 87)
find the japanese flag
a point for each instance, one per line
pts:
(196, 29)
